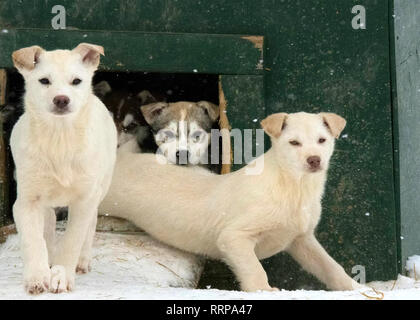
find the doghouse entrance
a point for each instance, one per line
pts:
(145, 104)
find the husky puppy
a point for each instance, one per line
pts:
(64, 148)
(237, 217)
(182, 130)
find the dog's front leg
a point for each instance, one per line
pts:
(83, 266)
(29, 219)
(238, 251)
(81, 214)
(309, 253)
(49, 232)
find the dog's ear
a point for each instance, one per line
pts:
(274, 124)
(25, 59)
(90, 53)
(152, 111)
(146, 97)
(211, 109)
(334, 123)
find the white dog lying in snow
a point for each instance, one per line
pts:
(236, 217)
(64, 148)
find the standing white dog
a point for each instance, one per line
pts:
(240, 218)
(64, 148)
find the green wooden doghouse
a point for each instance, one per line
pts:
(358, 58)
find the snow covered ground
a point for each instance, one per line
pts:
(130, 267)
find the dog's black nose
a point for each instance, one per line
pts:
(61, 102)
(182, 156)
(314, 162)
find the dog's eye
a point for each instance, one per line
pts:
(196, 136)
(44, 81)
(76, 81)
(130, 127)
(294, 143)
(321, 140)
(169, 135)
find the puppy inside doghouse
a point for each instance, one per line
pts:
(181, 130)
(125, 108)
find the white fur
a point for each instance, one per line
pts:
(236, 217)
(61, 160)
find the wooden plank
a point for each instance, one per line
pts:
(225, 129)
(407, 113)
(3, 84)
(152, 52)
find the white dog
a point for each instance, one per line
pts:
(64, 148)
(236, 217)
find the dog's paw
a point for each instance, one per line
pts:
(269, 289)
(61, 280)
(259, 288)
(38, 281)
(357, 286)
(363, 289)
(273, 289)
(83, 266)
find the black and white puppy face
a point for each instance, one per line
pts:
(128, 128)
(125, 109)
(182, 129)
